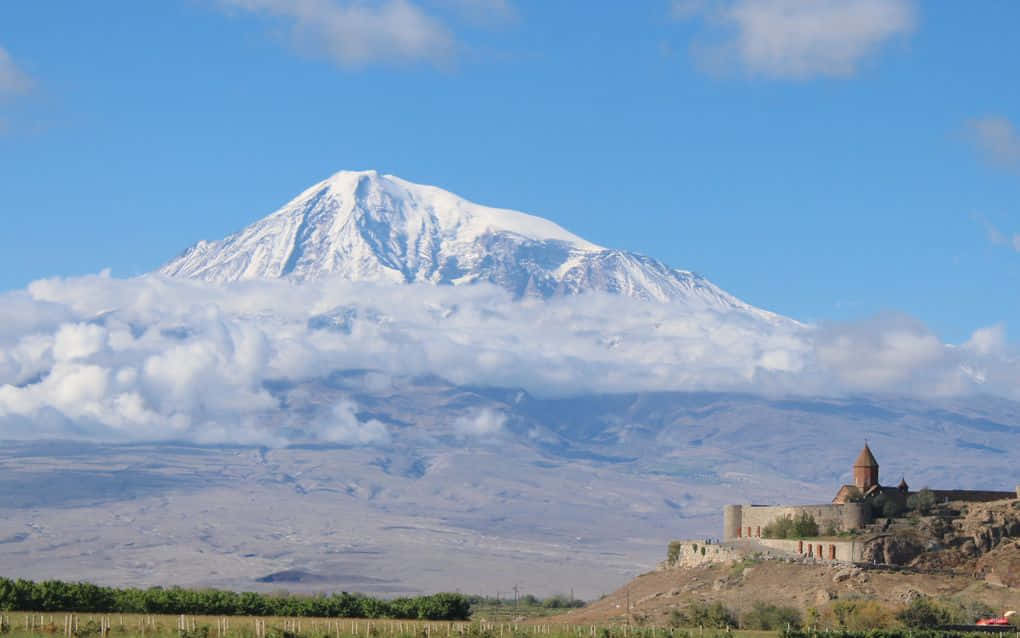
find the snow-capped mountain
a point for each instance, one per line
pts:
(364, 226)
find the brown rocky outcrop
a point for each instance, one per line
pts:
(1001, 566)
(952, 536)
(893, 550)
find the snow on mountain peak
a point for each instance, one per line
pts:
(459, 219)
(365, 226)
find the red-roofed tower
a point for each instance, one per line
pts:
(865, 470)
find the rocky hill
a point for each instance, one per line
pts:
(813, 589)
(964, 554)
(977, 539)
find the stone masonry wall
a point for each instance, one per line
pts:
(748, 521)
(694, 553)
(848, 551)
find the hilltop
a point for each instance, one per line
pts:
(964, 554)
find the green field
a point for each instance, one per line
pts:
(74, 625)
(26, 624)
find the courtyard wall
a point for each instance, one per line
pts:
(749, 521)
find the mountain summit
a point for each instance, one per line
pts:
(364, 226)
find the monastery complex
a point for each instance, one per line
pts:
(844, 525)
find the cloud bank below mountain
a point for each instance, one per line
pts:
(154, 358)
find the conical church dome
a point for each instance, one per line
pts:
(866, 458)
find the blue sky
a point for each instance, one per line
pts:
(825, 160)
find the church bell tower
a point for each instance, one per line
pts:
(865, 470)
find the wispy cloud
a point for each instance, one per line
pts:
(13, 81)
(996, 139)
(996, 236)
(354, 34)
(795, 39)
(481, 423)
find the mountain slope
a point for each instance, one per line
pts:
(552, 494)
(363, 226)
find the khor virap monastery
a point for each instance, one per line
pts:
(851, 509)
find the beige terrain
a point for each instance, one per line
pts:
(968, 553)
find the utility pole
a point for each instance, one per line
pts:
(516, 591)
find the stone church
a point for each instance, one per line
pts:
(851, 509)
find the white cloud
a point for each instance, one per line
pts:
(996, 236)
(988, 340)
(882, 353)
(998, 141)
(13, 81)
(354, 34)
(483, 423)
(795, 38)
(340, 424)
(154, 358)
(78, 341)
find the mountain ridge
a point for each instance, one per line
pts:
(364, 226)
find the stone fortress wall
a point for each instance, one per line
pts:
(748, 521)
(691, 553)
(694, 553)
(851, 551)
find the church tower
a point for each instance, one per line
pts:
(865, 470)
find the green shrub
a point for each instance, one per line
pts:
(676, 618)
(967, 612)
(782, 527)
(892, 508)
(714, 615)
(886, 505)
(770, 617)
(561, 601)
(858, 615)
(801, 526)
(804, 526)
(813, 616)
(86, 629)
(924, 613)
(673, 552)
(922, 501)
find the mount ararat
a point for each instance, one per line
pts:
(363, 226)
(322, 401)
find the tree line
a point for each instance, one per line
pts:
(556, 601)
(55, 595)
